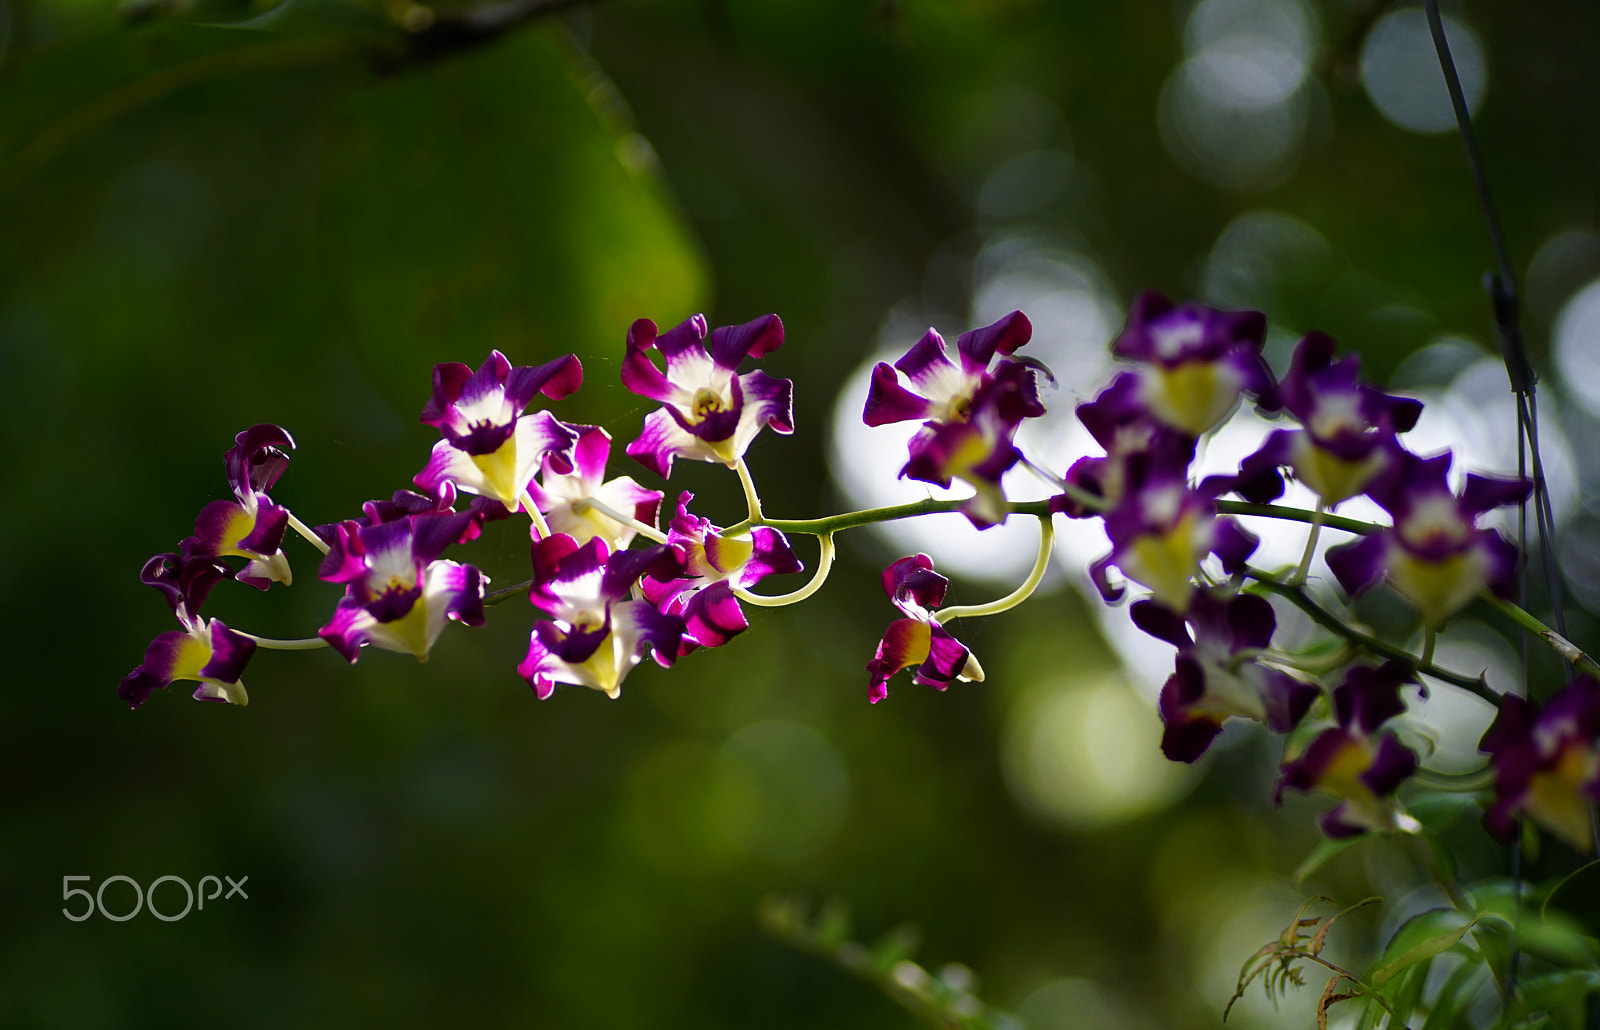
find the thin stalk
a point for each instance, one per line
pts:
(302, 644)
(306, 531)
(1304, 568)
(751, 499)
(539, 524)
(824, 566)
(1278, 511)
(647, 531)
(1556, 642)
(1378, 647)
(1022, 593)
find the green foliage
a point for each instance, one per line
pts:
(945, 999)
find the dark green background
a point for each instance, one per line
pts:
(202, 228)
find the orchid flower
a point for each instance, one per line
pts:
(250, 526)
(492, 446)
(918, 639)
(209, 652)
(1434, 554)
(399, 592)
(596, 634)
(1547, 763)
(710, 564)
(1195, 361)
(564, 497)
(1216, 678)
(1348, 434)
(708, 412)
(1352, 761)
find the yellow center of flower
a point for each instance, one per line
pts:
(706, 402)
(500, 473)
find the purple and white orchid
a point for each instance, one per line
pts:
(1161, 530)
(1216, 677)
(947, 390)
(709, 565)
(1195, 362)
(562, 496)
(1352, 761)
(596, 634)
(918, 640)
(1547, 763)
(399, 592)
(207, 651)
(492, 446)
(709, 412)
(250, 526)
(1348, 434)
(1434, 553)
(970, 412)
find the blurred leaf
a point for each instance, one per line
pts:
(1552, 935)
(896, 946)
(1453, 997)
(1419, 940)
(483, 204)
(1326, 850)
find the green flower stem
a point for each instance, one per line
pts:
(1557, 643)
(1304, 568)
(1455, 783)
(302, 644)
(532, 509)
(1329, 621)
(648, 532)
(824, 566)
(306, 531)
(1278, 511)
(496, 596)
(751, 499)
(1046, 539)
(872, 516)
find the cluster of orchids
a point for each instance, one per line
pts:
(612, 586)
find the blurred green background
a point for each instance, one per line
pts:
(224, 213)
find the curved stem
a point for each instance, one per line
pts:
(824, 566)
(302, 644)
(751, 499)
(1456, 783)
(306, 531)
(646, 531)
(1046, 539)
(539, 524)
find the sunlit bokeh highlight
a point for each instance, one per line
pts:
(1400, 70)
(1086, 753)
(1235, 111)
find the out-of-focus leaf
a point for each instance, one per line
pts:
(1325, 851)
(1453, 996)
(482, 204)
(1419, 940)
(1552, 935)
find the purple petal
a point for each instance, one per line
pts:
(713, 617)
(888, 401)
(1160, 622)
(555, 379)
(1393, 765)
(977, 346)
(257, 458)
(1359, 564)
(639, 374)
(1485, 493)
(731, 344)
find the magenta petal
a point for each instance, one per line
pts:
(731, 344)
(1004, 336)
(639, 374)
(888, 401)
